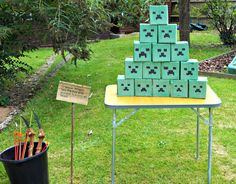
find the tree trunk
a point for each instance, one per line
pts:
(184, 20)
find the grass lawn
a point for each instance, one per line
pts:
(35, 59)
(154, 146)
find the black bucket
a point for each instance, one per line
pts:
(31, 170)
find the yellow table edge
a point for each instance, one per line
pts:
(113, 101)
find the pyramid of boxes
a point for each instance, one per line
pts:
(160, 65)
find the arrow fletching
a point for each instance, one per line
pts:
(25, 121)
(37, 120)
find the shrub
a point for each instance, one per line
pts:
(223, 16)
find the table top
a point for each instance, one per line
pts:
(114, 102)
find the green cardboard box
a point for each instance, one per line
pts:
(189, 69)
(142, 51)
(197, 88)
(133, 70)
(125, 87)
(180, 51)
(148, 33)
(151, 70)
(160, 52)
(161, 88)
(170, 70)
(143, 87)
(167, 33)
(158, 14)
(179, 88)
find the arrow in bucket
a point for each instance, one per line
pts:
(41, 135)
(30, 133)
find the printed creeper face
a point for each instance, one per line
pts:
(159, 14)
(161, 52)
(143, 87)
(148, 33)
(167, 33)
(132, 69)
(161, 88)
(125, 86)
(180, 52)
(189, 70)
(142, 51)
(171, 71)
(197, 88)
(179, 88)
(151, 70)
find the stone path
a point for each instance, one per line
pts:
(24, 91)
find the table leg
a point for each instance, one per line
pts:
(113, 146)
(198, 137)
(210, 145)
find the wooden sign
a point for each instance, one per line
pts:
(74, 93)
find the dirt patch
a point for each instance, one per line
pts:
(220, 150)
(4, 112)
(217, 64)
(228, 173)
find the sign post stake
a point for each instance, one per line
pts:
(72, 146)
(73, 93)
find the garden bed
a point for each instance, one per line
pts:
(217, 64)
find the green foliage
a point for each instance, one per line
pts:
(223, 16)
(4, 100)
(68, 24)
(129, 12)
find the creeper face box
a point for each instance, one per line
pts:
(167, 33)
(197, 88)
(133, 69)
(158, 14)
(143, 87)
(179, 88)
(142, 51)
(125, 87)
(189, 70)
(170, 70)
(160, 52)
(148, 33)
(151, 70)
(180, 51)
(161, 88)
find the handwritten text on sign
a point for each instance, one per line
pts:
(74, 93)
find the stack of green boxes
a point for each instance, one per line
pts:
(160, 65)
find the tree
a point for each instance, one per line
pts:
(68, 24)
(223, 16)
(184, 20)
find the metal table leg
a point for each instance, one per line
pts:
(113, 146)
(210, 145)
(198, 137)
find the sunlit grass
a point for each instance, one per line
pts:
(154, 146)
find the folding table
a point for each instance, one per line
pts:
(114, 102)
